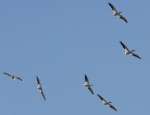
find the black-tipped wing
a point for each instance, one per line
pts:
(124, 46)
(86, 78)
(102, 98)
(124, 18)
(112, 107)
(8, 74)
(19, 78)
(43, 95)
(38, 80)
(91, 90)
(106, 102)
(112, 6)
(137, 56)
(40, 88)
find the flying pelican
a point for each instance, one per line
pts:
(39, 87)
(88, 85)
(115, 12)
(128, 51)
(107, 103)
(13, 77)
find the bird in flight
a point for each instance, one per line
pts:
(13, 77)
(115, 12)
(39, 87)
(107, 103)
(127, 51)
(88, 85)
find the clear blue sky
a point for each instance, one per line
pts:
(60, 40)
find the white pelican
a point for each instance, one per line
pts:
(39, 87)
(13, 77)
(127, 51)
(115, 12)
(88, 85)
(107, 103)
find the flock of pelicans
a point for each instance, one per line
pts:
(127, 52)
(39, 85)
(117, 13)
(87, 83)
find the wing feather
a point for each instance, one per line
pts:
(123, 18)
(38, 80)
(19, 78)
(112, 107)
(136, 55)
(123, 45)
(8, 74)
(91, 90)
(112, 6)
(86, 78)
(43, 95)
(102, 98)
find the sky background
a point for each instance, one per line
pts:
(60, 41)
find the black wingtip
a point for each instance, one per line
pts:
(37, 77)
(5, 73)
(98, 95)
(109, 3)
(20, 79)
(38, 80)
(44, 98)
(120, 42)
(85, 77)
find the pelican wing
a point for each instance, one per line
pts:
(8, 74)
(43, 95)
(40, 88)
(102, 98)
(136, 55)
(86, 78)
(112, 107)
(91, 90)
(123, 18)
(112, 6)
(19, 78)
(124, 46)
(38, 80)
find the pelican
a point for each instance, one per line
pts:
(13, 77)
(39, 87)
(88, 85)
(107, 103)
(127, 51)
(115, 12)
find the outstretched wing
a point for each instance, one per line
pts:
(106, 102)
(40, 88)
(43, 95)
(124, 46)
(38, 80)
(91, 90)
(112, 6)
(8, 74)
(19, 78)
(102, 98)
(112, 107)
(124, 18)
(136, 55)
(86, 78)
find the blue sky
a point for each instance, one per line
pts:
(60, 41)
